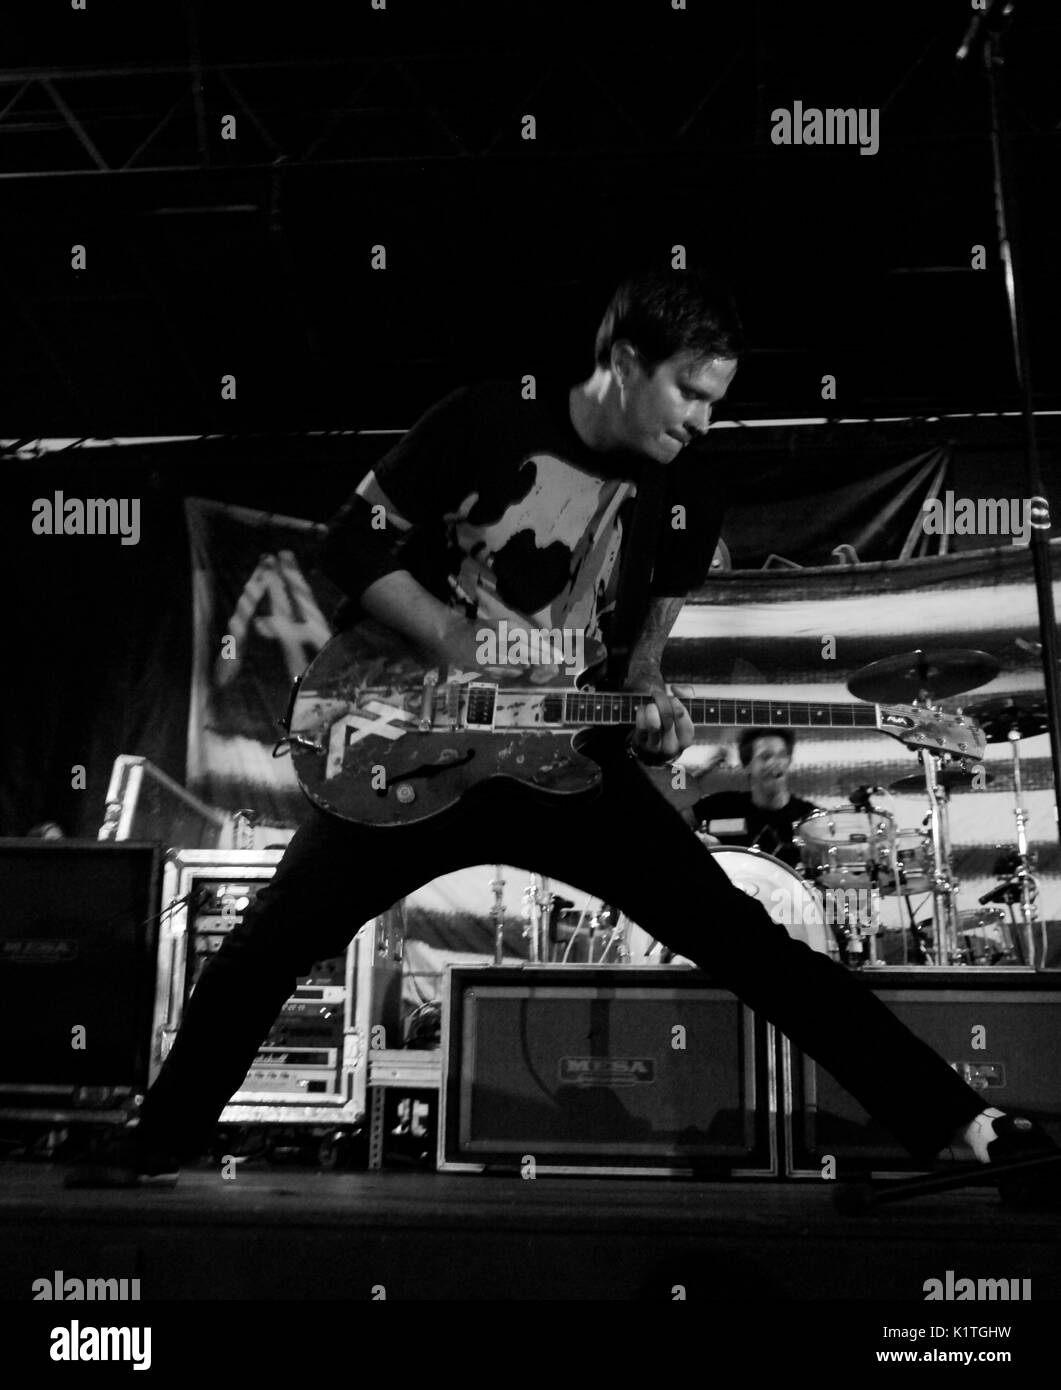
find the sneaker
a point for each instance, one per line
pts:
(123, 1160)
(1035, 1187)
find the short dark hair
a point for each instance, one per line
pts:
(746, 742)
(664, 312)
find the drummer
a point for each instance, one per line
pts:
(762, 817)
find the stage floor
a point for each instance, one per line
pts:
(297, 1233)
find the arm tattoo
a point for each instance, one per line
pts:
(648, 649)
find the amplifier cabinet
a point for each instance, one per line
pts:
(78, 937)
(575, 1069)
(312, 1068)
(999, 1029)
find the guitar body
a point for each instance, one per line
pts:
(360, 752)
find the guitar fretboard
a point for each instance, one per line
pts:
(595, 707)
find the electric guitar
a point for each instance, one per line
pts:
(380, 739)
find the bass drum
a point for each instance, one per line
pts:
(788, 899)
(784, 895)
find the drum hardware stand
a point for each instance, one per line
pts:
(497, 886)
(1019, 884)
(926, 951)
(1029, 888)
(1010, 891)
(851, 933)
(944, 885)
(616, 937)
(914, 935)
(849, 940)
(1008, 719)
(537, 905)
(874, 895)
(543, 903)
(874, 927)
(594, 926)
(574, 936)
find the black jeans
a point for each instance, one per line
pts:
(628, 846)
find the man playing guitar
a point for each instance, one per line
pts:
(504, 506)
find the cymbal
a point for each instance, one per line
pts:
(935, 671)
(1001, 713)
(952, 779)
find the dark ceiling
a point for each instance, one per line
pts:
(401, 127)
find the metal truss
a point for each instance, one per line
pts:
(166, 117)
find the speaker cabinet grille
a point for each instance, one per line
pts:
(1001, 1030)
(651, 1070)
(78, 944)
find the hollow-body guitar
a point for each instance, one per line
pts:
(381, 739)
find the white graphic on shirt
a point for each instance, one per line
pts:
(564, 506)
(559, 506)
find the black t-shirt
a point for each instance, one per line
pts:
(738, 821)
(496, 506)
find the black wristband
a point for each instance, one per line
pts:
(648, 759)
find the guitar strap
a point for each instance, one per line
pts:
(635, 573)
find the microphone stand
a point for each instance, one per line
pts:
(987, 29)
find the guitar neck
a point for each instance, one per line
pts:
(587, 708)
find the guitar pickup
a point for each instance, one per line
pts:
(481, 707)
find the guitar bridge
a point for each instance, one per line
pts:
(481, 708)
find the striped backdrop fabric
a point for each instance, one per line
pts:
(799, 635)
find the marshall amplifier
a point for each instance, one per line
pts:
(999, 1029)
(627, 1070)
(78, 942)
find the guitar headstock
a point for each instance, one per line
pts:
(922, 726)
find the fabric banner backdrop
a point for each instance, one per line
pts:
(259, 618)
(258, 622)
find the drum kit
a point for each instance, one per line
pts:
(855, 859)
(860, 853)
(558, 932)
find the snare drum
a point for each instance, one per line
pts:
(844, 848)
(785, 896)
(984, 936)
(911, 870)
